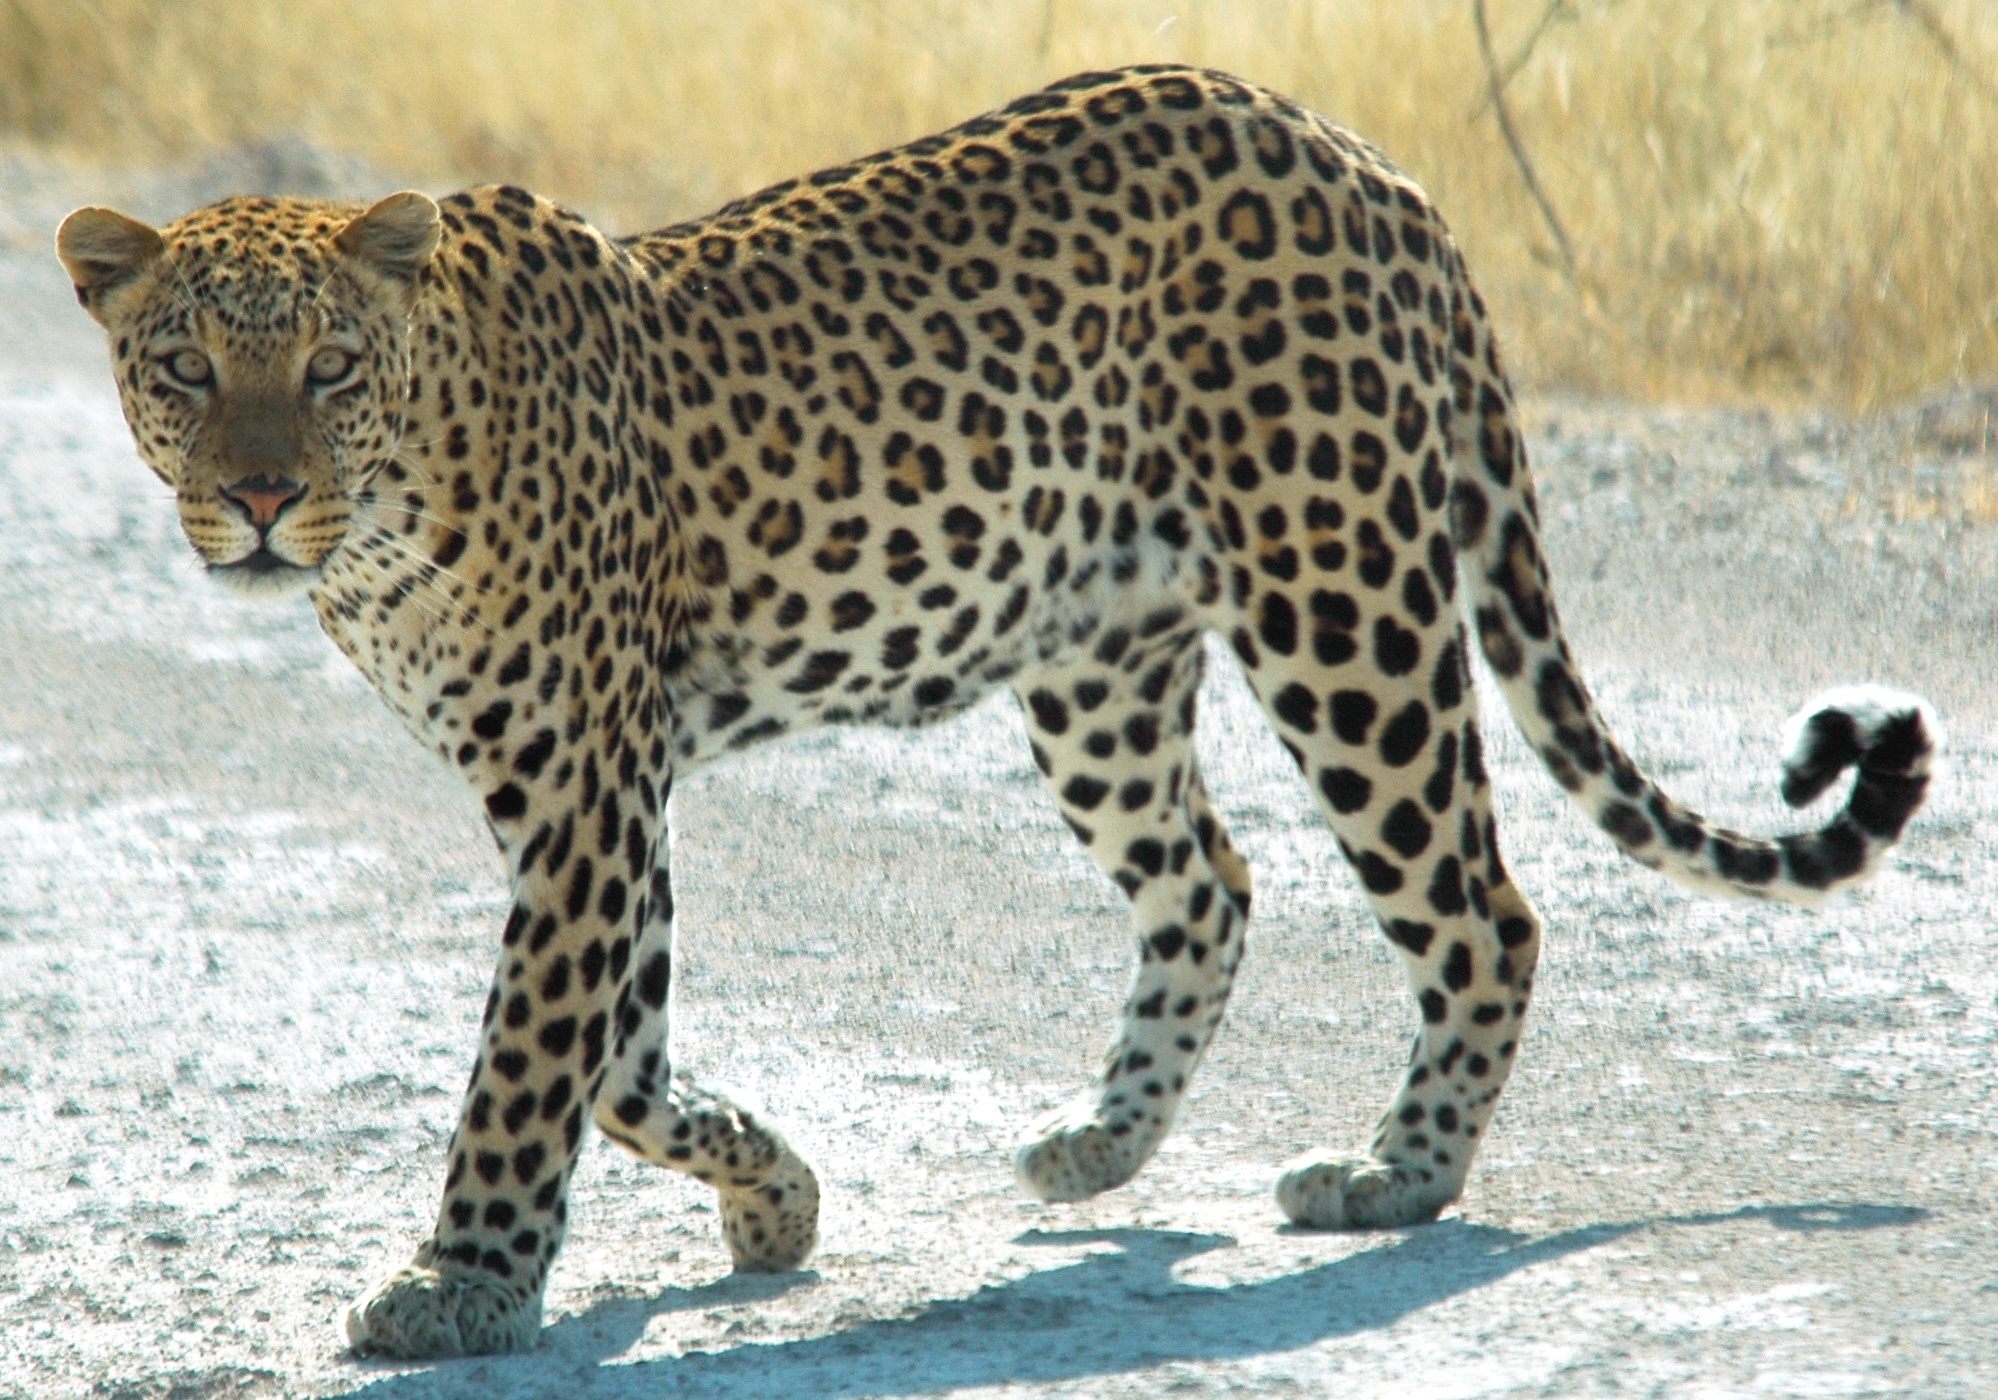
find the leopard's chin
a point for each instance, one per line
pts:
(264, 574)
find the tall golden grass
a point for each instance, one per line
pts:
(1776, 199)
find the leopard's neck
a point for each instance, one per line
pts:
(489, 536)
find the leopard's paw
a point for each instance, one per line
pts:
(422, 1312)
(773, 1225)
(1071, 1155)
(1324, 1192)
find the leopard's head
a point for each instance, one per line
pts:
(261, 352)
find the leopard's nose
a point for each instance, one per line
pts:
(261, 499)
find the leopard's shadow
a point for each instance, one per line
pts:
(1055, 1324)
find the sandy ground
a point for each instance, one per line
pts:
(246, 927)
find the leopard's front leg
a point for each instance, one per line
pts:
(580, 857)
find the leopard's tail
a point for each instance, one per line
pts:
(1889, 736)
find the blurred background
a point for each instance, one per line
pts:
(1751, 1151)
(1781, 201)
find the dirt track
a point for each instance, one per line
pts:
(246, 927)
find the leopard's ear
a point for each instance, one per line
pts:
(103, 249)
(396, 237)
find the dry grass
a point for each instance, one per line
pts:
(1783, 199)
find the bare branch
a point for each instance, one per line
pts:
(1826, 26)
(1512, 139)
(1925, 18)
(1556, 9)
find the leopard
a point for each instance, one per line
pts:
(1039, 403)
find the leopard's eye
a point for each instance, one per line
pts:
(189, 367)
(329, 366)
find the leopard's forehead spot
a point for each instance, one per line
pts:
(256, 261)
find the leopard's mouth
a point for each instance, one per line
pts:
(263, 572)
(263, 561)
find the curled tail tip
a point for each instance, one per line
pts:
(1892, 735)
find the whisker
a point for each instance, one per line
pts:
(431, 613)
(313, 305)
(401, 458)
(396, 454)
(185, 296)
(393, 456)
(410, 552)
(461, 613)
(411, 513)
(448, 612)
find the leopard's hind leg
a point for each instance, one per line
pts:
(1390, 746)
(1113, 732)
(768, 1194)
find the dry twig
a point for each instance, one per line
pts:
(1920, 13)
(1556, 9)
(1925, 18)
(1519, 155)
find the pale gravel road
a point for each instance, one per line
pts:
(246, 927)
